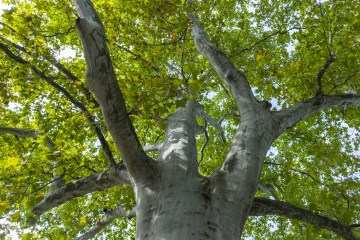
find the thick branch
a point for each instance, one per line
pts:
(153, 147)
(322, 72)
(262, 207)
(291, 116)
(354, 225)
(110, 215)
(234, 79)
(18, 132)
(97, 182)
(101, 80)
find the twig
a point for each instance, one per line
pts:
(227, 115)
(206, 141)
(307, 174)
(264, 39)
(56, 34)
(346, 80)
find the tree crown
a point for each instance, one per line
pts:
(289, 51)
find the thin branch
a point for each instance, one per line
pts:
(346, 80)
(182, 55)
(268, 188)
(104, 144)
(59, 66)
(174, 70)
(260, 41)
(139, 56)
(46, 184)
(13, 30)
(205, 143)
(89, 168)
(202, 114)
(355, 45)
(158, 137)
(151, 44)
(57, 180)
(228, 115)
(110, 215)
(330, 46)
(159, 119)
(226, 91)
(266, 38)
(133, 110)
(57, 34)
(309, 175)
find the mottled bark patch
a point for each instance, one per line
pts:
(210, 227)
(244, 130)
(206, 190)
(242, 146)
(267, 105)
(230, 164)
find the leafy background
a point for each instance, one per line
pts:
(314, 165)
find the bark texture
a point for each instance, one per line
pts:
(173, 201)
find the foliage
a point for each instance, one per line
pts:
(280, 46)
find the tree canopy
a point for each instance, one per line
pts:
(53, 131)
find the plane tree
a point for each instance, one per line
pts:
(175, 119)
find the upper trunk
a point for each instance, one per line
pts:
(179, 203)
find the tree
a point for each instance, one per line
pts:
(167, 117)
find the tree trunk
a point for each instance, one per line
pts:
(179, 203)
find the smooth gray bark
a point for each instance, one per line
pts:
(262, 207)
(173, 200)
(153, 147)
(292, 115)
(18, 132)
(101, 80)
(96, 182)
(243, 164)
